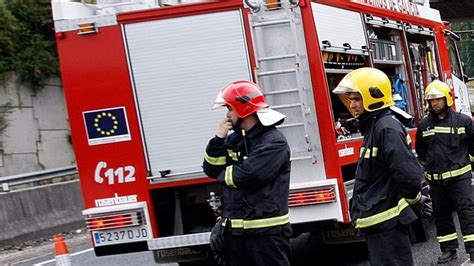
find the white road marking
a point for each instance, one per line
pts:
(467, 263)
(71, 255)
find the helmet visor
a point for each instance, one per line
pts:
(219, 102)
(432, 96)
(343, 89)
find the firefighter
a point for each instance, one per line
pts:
(253, 165)
(443, 144)
(388, 175)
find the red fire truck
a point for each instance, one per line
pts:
(140, 78)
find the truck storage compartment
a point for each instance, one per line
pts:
(385, 50)
(184, 210)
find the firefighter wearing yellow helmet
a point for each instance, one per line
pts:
(443, 143)
(388, 176)
(376, 94)
(438, 89)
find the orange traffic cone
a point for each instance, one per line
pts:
(61, 251)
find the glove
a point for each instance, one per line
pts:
(423, 208)
(217, 238)
(219, 260)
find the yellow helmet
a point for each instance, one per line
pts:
(438, 89)
(372, 84)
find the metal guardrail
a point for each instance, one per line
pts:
(8, 181)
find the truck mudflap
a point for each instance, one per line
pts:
(180, 248)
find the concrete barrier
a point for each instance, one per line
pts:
(40, 212)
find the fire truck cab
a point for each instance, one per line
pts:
(140, 78)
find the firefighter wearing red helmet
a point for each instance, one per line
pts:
(443, 143)
(250, 157)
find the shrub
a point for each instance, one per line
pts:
(27, 44)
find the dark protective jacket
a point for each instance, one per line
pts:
(255, 170)
(388, 175)
(450, 143)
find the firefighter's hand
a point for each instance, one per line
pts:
(424, 207)
(219, 260)
(224, 128)
(217, 238)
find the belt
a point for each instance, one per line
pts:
(449, 174)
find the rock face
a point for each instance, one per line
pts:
(37, 136)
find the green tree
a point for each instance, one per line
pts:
(8, 25)
(466, 44)
(27, 44)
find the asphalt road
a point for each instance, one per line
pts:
(81, 253)
(426, 253)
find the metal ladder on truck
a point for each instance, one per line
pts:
(280, 52)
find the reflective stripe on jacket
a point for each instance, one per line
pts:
(260, 223)
(386, 215)
(444, 145)
(256, 180)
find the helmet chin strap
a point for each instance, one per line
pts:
(237, 124)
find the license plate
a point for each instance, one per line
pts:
(122, 235)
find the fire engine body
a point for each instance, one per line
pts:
(140, 80)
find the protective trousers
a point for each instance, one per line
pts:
(390, 247)
(262, 250)
(448, 196)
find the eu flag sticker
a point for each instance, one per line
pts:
(106, 125)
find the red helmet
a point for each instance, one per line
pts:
(245, 97)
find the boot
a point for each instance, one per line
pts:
(471, 256)
(448, 255)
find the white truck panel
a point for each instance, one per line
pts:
(338, 26)
(211, 49)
